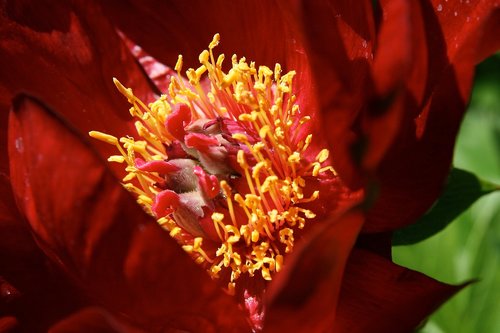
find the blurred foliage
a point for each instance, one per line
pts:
(469, 247)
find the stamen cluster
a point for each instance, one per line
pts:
(220, 164)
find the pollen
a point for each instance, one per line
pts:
(223, 165)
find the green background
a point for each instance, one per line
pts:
(469, 248)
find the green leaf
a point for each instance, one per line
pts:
(462, 190)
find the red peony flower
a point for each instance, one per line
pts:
(385, 85)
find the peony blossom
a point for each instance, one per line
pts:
(385, 85)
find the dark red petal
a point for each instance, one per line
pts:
(380, 121)
(378, 296)
(88, 223)
(414, 171)
(8, 324)
(394, 53)
(303, 297)
(95, 320)
(165, 29)
(31, 291)
(339, 39)
(67, 54)
(469, 23)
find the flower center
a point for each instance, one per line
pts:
(222, 164)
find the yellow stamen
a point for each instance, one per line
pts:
(254, 228)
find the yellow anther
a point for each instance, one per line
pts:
(178, 64)
(215, 41)
(218, 219)
(127, 92)
(235, 234)
(277, 72)
(112, 140)
(258, 167)
(264, 131)
(307, 142)
(220, 60)
(286, 237)
(200, 71)
(129, 177)
(248, 116)
(323, 155)
(204, 57)
(316, 169)
(255, 236)
(240, 158)
(175, 231)
(304, 120)
(252, 201)
(309, 214)
(265, 72)
(294, 158)
(116, 158)
(225, 188)
(229, 78)
(268, 182)
(143, 199)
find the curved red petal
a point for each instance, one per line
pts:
(413, 172)
(393, 57)
(339, 39)
(8, 324)
(31, 290)
(303, 297)
(67, 55)
(394, 53)
(469, 23)
(254, 29)
(88, 223)
(378, 296)
(94, 320)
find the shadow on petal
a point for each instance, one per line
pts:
(303, 297)
(379, 296)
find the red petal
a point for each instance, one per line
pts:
(67, 54)
(254, 29)
(87, 222)
(415, 169)
(340, 37)
(8, 324)
(392, 64)
(378, 296)
(394, 52)
(469, 23)
(30, 290)
(303, 297)
(94, 320)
